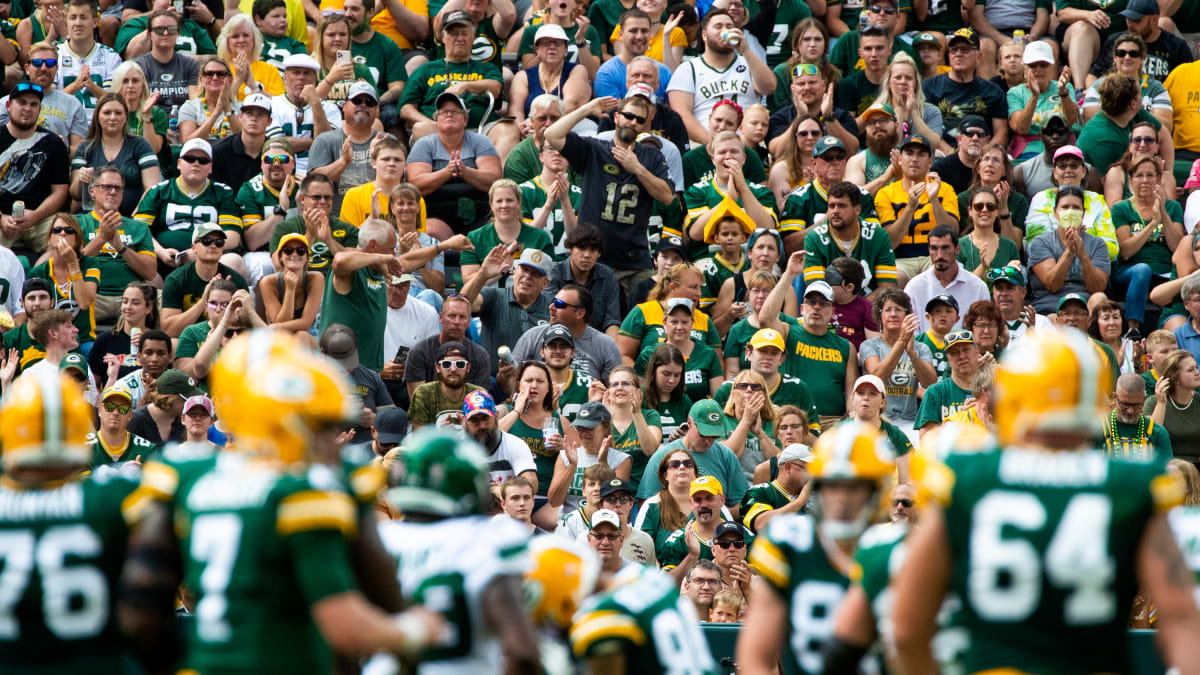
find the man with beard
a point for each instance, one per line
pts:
(381, 56)
(265, 201)
(625, 179)
(974, 134)
(812, 94)
(963, 92)
(635, 37)
(1035, 175)
(62, 113)
(946, 276)
(1008, 292)
(873, 167)
(843, 224)
(858, 90)
(662, 124)
(1129, 433)
(506, 313)
(806, 206)
(915, 203)
(422, 360)
(694, 541)
(432, 399)
(507, 455)
(344, 155)
(34, 171)
(595, 353)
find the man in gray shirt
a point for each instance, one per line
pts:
(344, 155)
(62, 114)
(596, 354)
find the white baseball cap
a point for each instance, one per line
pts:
(606, 516)
(301, 60)
(872, 380)
(257, 101)
(197, 144)
(796, 452)
(1038, 52)
(550, 31)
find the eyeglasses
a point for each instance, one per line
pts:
(212, 304)
(62, 230)
(562, 304)
(197, 159)
(165, 30)
(120, 408)
(748, 386)
(906, 503)
(294, 250)
(106, 187)
(1142, 140)
(611, 536)
(451, 111)
(735, 543)
(364, 101)
(880, 9)
(701, 581)
(1127, 53)
(681, 463)
(211, 242)
(805, 69)
(817, 301)
(815, 133)
(453, 364)
(619, 499)
(276, 160)
(985, 206)
(632, 117)
(216, 73)
(320, 198)
(43, 63)
(23, 87)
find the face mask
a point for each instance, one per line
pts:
(1070, 218)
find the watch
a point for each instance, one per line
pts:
(279, 211)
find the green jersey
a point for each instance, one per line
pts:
(675, 548)
(276, 49)
(1185, 525)
(807, 205)
(543, 459)
(605, 15)
(821, 360)
(432, 79)
(1144, 440)
(627, 441)
(937, 347)
(573, 394)
(872, 248)
(788, 390)
(717, 270)
(364, 308)
(793, 563)
(699, 368)
(788, 13)
(762, 498)
(671, 414)
(132, 447)
(382, 58)
(741, 332)
(941, 400)
(703, 195)
(485, 239)
(446, 567)
(115, 273)
(261, 547)
(1043, 547)
(63, 548)
(85, 319)
(698, 167)
(184, 287)
(645, 324)
(647, 620)
(172, 213)
(192, 39)
(945, 17)
(533, 201)
(256, 200)
(845, 51)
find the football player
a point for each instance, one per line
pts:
(1047, 541)
(806, 561)
(62, 540)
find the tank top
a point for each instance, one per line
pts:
(535, 83)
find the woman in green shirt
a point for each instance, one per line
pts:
(749, 418)
(663, 389)
(670, 509)
(507, 227)
(994, 171)
(1174, 403)
(636, 431)
(1144, 138)
(1149, 227)
(987, 324)
(983, 248)
(533, 413)
(703, 373)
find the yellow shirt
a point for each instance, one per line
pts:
(891, 200)
(967, 416)
(1183, 86)
(356, 206)
(264, 74)
(383, 22)
(297, 25)
(655, 50)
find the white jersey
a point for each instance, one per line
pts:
(575, 490)
(1185, 525)
(12, 280)
(132, 383)
(445, 567)
(294, 122)
(102, 62)
(511, 458)
(707, 85)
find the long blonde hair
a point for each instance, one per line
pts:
(119, 79)
(768, 412)
(675, 276)
(1191, 480)
(885, 95)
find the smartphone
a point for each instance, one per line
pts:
(343, 56)
(401, 355)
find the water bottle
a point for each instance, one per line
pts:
(1019, 37)
(173, 136)
(505, 355)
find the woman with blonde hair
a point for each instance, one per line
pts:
(150, 121)
(793, 167)
(1190, 475)
(1173, 403)
(749, 420)
(334, 79)
(507, 227)
(212, 115)
(643, 325)
(240, 45)
(901, 89)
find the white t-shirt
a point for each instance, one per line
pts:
(91, 393)
(289, 121)
(12, 280)
(511, 458)
(410, 324)
(707, 85)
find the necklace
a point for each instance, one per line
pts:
(1112, 439)
(221, 129)
(556, 90)
(1189, 403)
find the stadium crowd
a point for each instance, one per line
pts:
(647, 256)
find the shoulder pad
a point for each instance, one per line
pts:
(882, 535)
(91, 437)
(795, 530)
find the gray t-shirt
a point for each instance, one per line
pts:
(327, 148)
(431, 151)
(62, 114)
(596, 354)
(1011, 14)
(193, 111)
(902, 402)
(1048, 246)
(171, 79)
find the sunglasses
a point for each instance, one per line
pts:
(959, 335)
(880, 9)
(215, 73)
(611, 536)
(28, 86)
(833, 156)
(815, 133)
(120, 408)
(748, 386)
(1127, 54)
(294, 250)
(561, 304)
(453, 364)
(805, 69)
(817, 301)
(62, 230)
(276, 160)
(1142, 140)
(985, 206)
(211, 242)
(43, 63)
(364, 101)
(197, 159)
(165, 30)
(320, 198)
(632, 117)
(973, 133)
(727, 543)
(106, 187)
(681, 463)
(906, 503)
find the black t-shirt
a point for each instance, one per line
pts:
(142, 424)
(371, 390)
(781, 119)
(1162, 56)
(666, 122)
(111, 342)
(952, 170)
(231, 165)
(956, 100)
(615, 200)
(31, 167)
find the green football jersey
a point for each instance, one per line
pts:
(533, 200)
(276, 49)
(1043, 547)
(703, 195)
(172, 213)
(1185, 525)
(260, 548)
(808, 204)
(741, 332)
(792, 562)
(131, 448)
(788, 13)
(645, 323)
(762, 498)
(62, 549)
(716, 270)
(647, 620)
(872, 249)
(788, 391)
(446, 566)
(574, 394)
(115, 273)
(256, 199)
(627, 441)
(674, 548)
(543, 459)
(941, 400)
(671, 414)
(938, 349)
(85, 319)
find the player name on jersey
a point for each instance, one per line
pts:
(62, 503)
(1053, 469)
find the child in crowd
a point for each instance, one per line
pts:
(853, 317)
(1159, 345)
(727, 607)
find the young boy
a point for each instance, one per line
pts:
(942, 313)
(1159, 344)
(853, 315)
(728, 228)
(727, 607)
(271, 18)
(579, 520)
(516, 501)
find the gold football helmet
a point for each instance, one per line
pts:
(562, 574)
(44, 421)
(852, 451)
(229, 372)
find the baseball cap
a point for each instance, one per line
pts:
(197, 144)
(708, 484)
(959, 337)
(1137, 9)
(447, 96)
(650, 138)
(73, 362)
(1008, 273)
(391, 425)
(974, 122)
(289, 238)
(362, 88)
(767, 337)
(670, 243)
(827, 143)
(1072, 297)
(591, 415)
(177, 382)
(535, 260)
(638, 89)
(820, 288)
(877, 110)
(33, 284)
(1038, 51)
(916, 139)
(614, 486)
(478, 402)
(28, 87)
(796, 452)
(458, 16)
(339, 343)
(605, 516)
(1193, 179)
(674, 303)
(451, 346)
(728, 527)
(402, 279)
(204, 229)
(301, 60)
(549, 31)
(706, 415)
(966, 34)
(1055, 115)
(558, 331)
(116, 391)
(1068, 151)
(926, 39)
(941, 299)
(257, 101)
(871, 380)
(199, 400)
(726, 209)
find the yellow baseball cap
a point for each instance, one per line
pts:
(707, 484)
(767, 337)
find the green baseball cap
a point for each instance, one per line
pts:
(175, 381)
(706, 415)
(73, 361)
